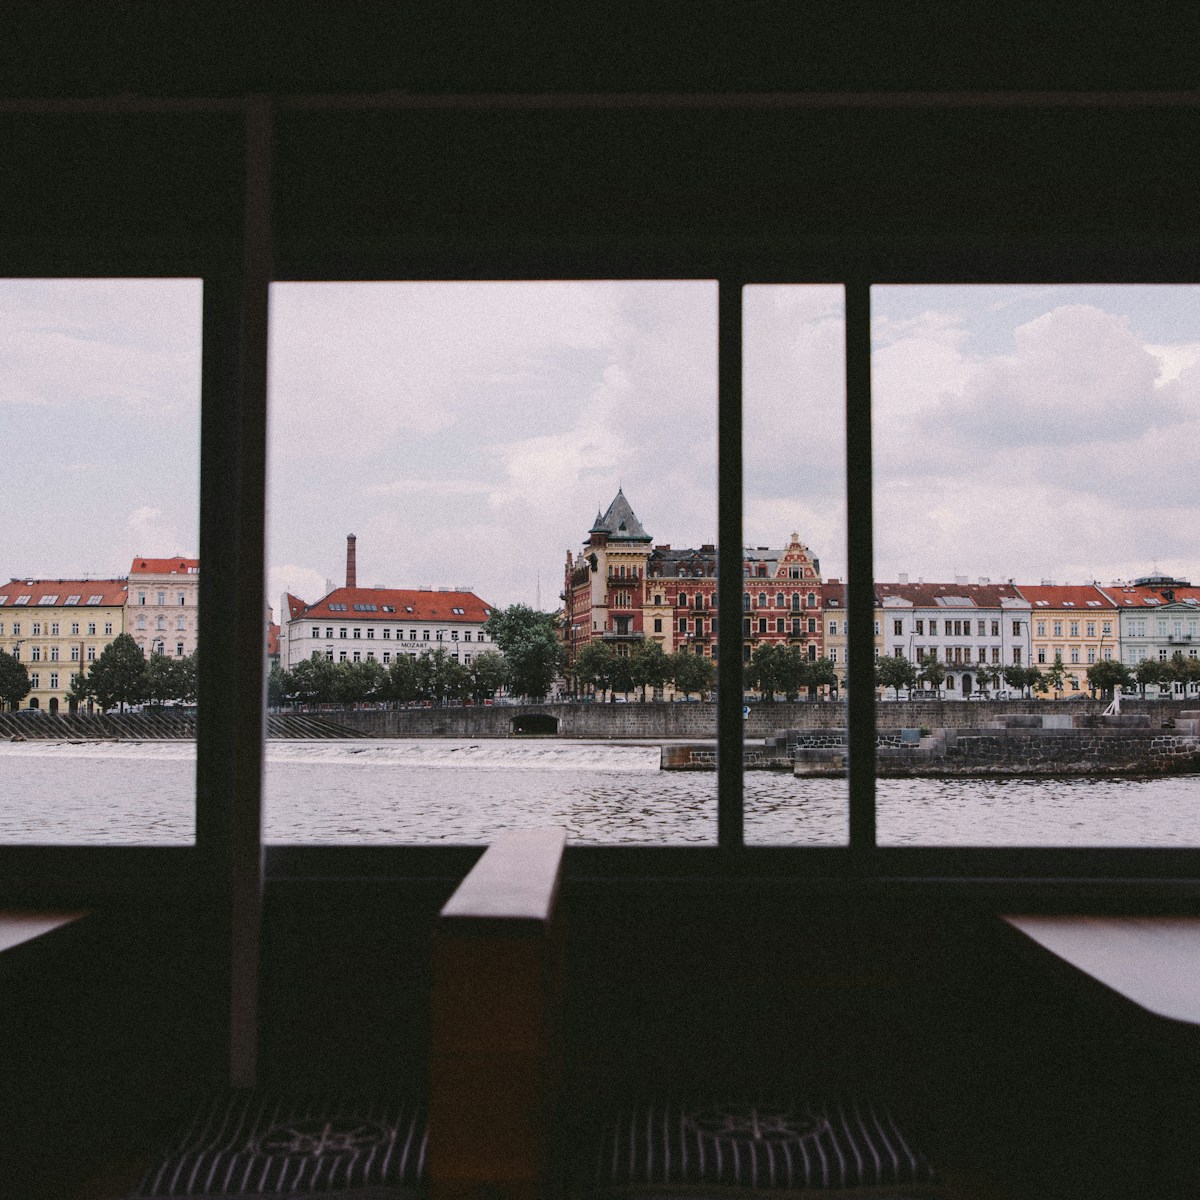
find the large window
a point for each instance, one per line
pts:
(479, 474)
(1030, 511)
(100, 418)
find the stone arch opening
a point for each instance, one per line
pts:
(53, 706)
(535, 724)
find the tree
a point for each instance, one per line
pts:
(932, 671)
(489, 672)
(14, 680)
(648, 665)
(440, 677)
(691, 672)
(118, 676)
(530, 643)
(620, 675)
(896, 673)
(1106, 675)
(162, 680)
(822, 673)
(1151, 672)
(313, 681)
(985, 676)
(762, 671)
(792, 671)
(1018, 678)
(358, 682)
(1055, 676)
(279, 686)
(593, 666)
(402, 679)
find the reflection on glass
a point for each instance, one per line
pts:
(479, 496)
(794, 602)
(1036, 620)
(100, 405)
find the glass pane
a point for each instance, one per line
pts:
(1035, 540)
(475, 492)
(100, 407)
(794, 564)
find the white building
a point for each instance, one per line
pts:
(354, 624)
(963, 625)
(162, 611)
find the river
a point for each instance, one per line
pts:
(412, 791)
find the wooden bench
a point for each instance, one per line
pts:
(495, 1048)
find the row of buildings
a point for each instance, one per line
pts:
(623, 588)
(54, 625)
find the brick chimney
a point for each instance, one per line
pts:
(351, 566)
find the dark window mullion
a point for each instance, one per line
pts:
(730, 727)
(860, 643)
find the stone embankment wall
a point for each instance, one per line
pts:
(699, 721)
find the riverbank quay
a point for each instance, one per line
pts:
(1019, 745)
(148, 727)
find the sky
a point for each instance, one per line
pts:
(467, 433)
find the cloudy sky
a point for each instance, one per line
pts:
(467, 433)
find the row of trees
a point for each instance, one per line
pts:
(646, 668)
(787, 670)
(531, 660)
(900, 673)
(122, 676)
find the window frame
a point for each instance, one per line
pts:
(235, 276)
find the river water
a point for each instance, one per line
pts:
(409, 791)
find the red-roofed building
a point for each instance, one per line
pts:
(164, 603)
(354, 624)
(52, 625)
(1076, 623)
(1158, 620)
(964, 625)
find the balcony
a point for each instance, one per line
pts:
(1181, 639)
(631, 635)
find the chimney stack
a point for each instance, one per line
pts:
(351, 566)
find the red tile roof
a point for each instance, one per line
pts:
(1046, 595)
(77, 591)
(1148, 597)
(295, 606)
(272, 639)
(165, 566)
(406, 605)
(926, 595)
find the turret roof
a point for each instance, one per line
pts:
(620, 523)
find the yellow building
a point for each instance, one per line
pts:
(53, 625)
(1075, 623)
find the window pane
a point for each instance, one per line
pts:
(1035, 542)
(521, 466)
(794, 603)
(100, 407)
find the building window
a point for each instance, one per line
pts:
(358, 633)
(181, 623)
(328, 631)
(779, 625)
(74, 653)
(762, 624)
(91, 654)
(35, 680)
(178, 649)
(387, 633)
(162, 598)
(54, 628)
(141, 597)
(932, 628)
(36, 655)
(53, 680)
(425, 635)
(1016, 655)
(370, 632)
(107, 628)
(37, 629)
(54, 654)
(898, 628)
(343, 631)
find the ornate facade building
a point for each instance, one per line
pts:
(164, 605)
(623, 589)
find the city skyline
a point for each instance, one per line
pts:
(468, 432)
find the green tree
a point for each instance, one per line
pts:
(762, 671)
(593, 666)
(279, 686)
(792, 670)
(359, 682)
(440, 677)
(822, 673)
(1017, 678)
(1106, 675)
(1151, 672)
(649, 666)
(620, 675)
(118, 676)
(691, 672)
(896, 673)
(402, 679)
(489, 672)
(186, 669)
(985, 676)
(1055, 678)
(14, 680)
(162, 680)
(932, 671)
(531, 646)
(313, 681)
